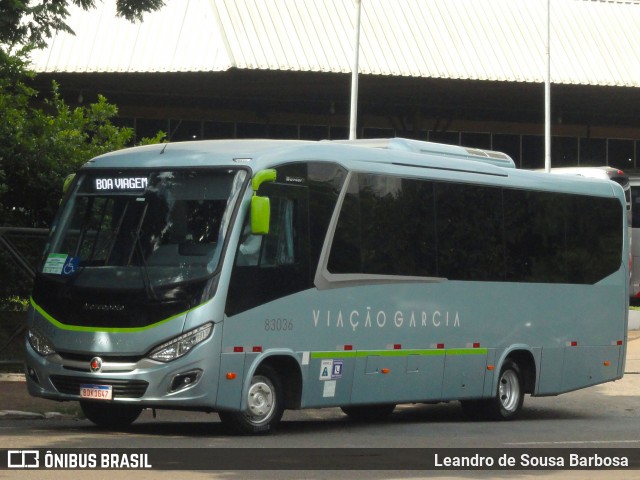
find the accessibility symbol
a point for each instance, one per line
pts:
(331, 369)
(337, 369)
(325, 369)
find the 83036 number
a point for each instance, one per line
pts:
(278, 325)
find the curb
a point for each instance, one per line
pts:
(12, 377)
(17, 414)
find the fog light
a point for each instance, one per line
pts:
(33, 375)
(185, 380)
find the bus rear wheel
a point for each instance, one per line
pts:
(363, 413)
(507, 401)
(265, 405)
(110, 415)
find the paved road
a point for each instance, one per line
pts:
(605, 416)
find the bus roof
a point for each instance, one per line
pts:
(441, 149)
(391, 156)
(603, 172)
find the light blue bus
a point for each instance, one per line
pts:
(246, 277)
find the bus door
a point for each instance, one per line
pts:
(268, 267)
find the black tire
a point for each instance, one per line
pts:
(265, 402)
(507, 401)
(509, 397)
(365, 413)
(110, 415)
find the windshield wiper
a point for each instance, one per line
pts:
(137, 247)
(146, 280)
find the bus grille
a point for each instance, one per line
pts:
(121, 388)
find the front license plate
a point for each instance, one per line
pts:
(97, 392)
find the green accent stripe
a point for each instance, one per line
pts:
(467, 351)
(399, 353)
(341, 354)
(75, 328)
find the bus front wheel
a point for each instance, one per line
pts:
(265, 405)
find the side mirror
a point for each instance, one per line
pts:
(67, 182)
(260, 215)
(261, 206)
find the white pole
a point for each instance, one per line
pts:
(354, 75)
(547, 96)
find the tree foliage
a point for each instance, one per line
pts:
(31, 22)
(42, 140)
(42, 145)
(45, 140)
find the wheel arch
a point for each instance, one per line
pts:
(287, 366)
(524, 357)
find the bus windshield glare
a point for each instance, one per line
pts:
(121, 228)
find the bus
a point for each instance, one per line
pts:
(634, 181)
(246, 277)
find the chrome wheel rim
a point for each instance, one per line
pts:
(261, 400)
(509, 391)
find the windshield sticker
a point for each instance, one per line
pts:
(61, 264)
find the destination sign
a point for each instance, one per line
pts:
(121, 183)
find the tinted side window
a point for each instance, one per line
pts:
(386, 227)
(594, 238)
(409, 227)
(470, 232)
(561, 238)
(535, 236)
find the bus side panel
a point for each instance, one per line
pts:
(589, 366)
(464, 375)
(489, 374)
(550, 379)
(230, 390)
(327, 381)
(407, 378)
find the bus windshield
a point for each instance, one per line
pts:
(121, 229)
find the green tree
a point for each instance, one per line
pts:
(41, 146)
(44, 143)
(32, 22)
(43, 140)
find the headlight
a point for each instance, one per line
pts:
(181, 345)
(39, 342)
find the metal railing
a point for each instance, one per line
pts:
(17, 243)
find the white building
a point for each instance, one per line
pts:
(459, 71)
